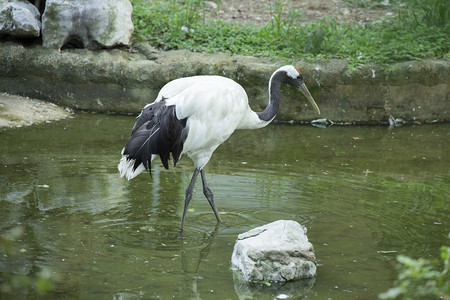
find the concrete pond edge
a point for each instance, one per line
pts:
(124, 80)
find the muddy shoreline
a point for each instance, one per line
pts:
(17, 111)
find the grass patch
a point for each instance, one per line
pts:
(421, 29)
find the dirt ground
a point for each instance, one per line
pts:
(259, 11)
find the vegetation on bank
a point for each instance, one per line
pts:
(422, 278)
(419, 29)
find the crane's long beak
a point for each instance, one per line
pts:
(308, 96)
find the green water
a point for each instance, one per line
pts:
(71, 228)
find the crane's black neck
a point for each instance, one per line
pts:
(274, 97)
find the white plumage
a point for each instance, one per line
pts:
(193, 116)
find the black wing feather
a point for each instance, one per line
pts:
(157, 131)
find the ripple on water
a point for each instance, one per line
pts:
(232, 223)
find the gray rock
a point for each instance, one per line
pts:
(19, 18)
(92, 24)
(278, 251)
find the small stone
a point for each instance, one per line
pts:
(279, 251)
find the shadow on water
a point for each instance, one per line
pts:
(70, 227)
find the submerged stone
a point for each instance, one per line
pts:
(279, 251)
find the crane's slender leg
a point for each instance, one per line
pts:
(209, 195)
(188, 196)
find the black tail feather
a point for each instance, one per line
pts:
(157, 131)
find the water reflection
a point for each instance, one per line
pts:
(365, 194)
(289, 290)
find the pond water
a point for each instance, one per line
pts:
(71, 228)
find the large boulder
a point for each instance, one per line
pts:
(279, 251)
(19, 18)
(92, 24)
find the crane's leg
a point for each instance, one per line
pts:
(209, 195)
(188, 196)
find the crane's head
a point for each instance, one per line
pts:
(294, 78)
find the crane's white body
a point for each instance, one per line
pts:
(214, 106)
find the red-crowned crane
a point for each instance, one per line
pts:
(193, 116)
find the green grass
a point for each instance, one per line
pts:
(420, 30)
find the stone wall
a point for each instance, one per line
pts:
(123, 81)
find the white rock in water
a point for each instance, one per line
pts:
(19, 18)
(92, 24)
(279, 251)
